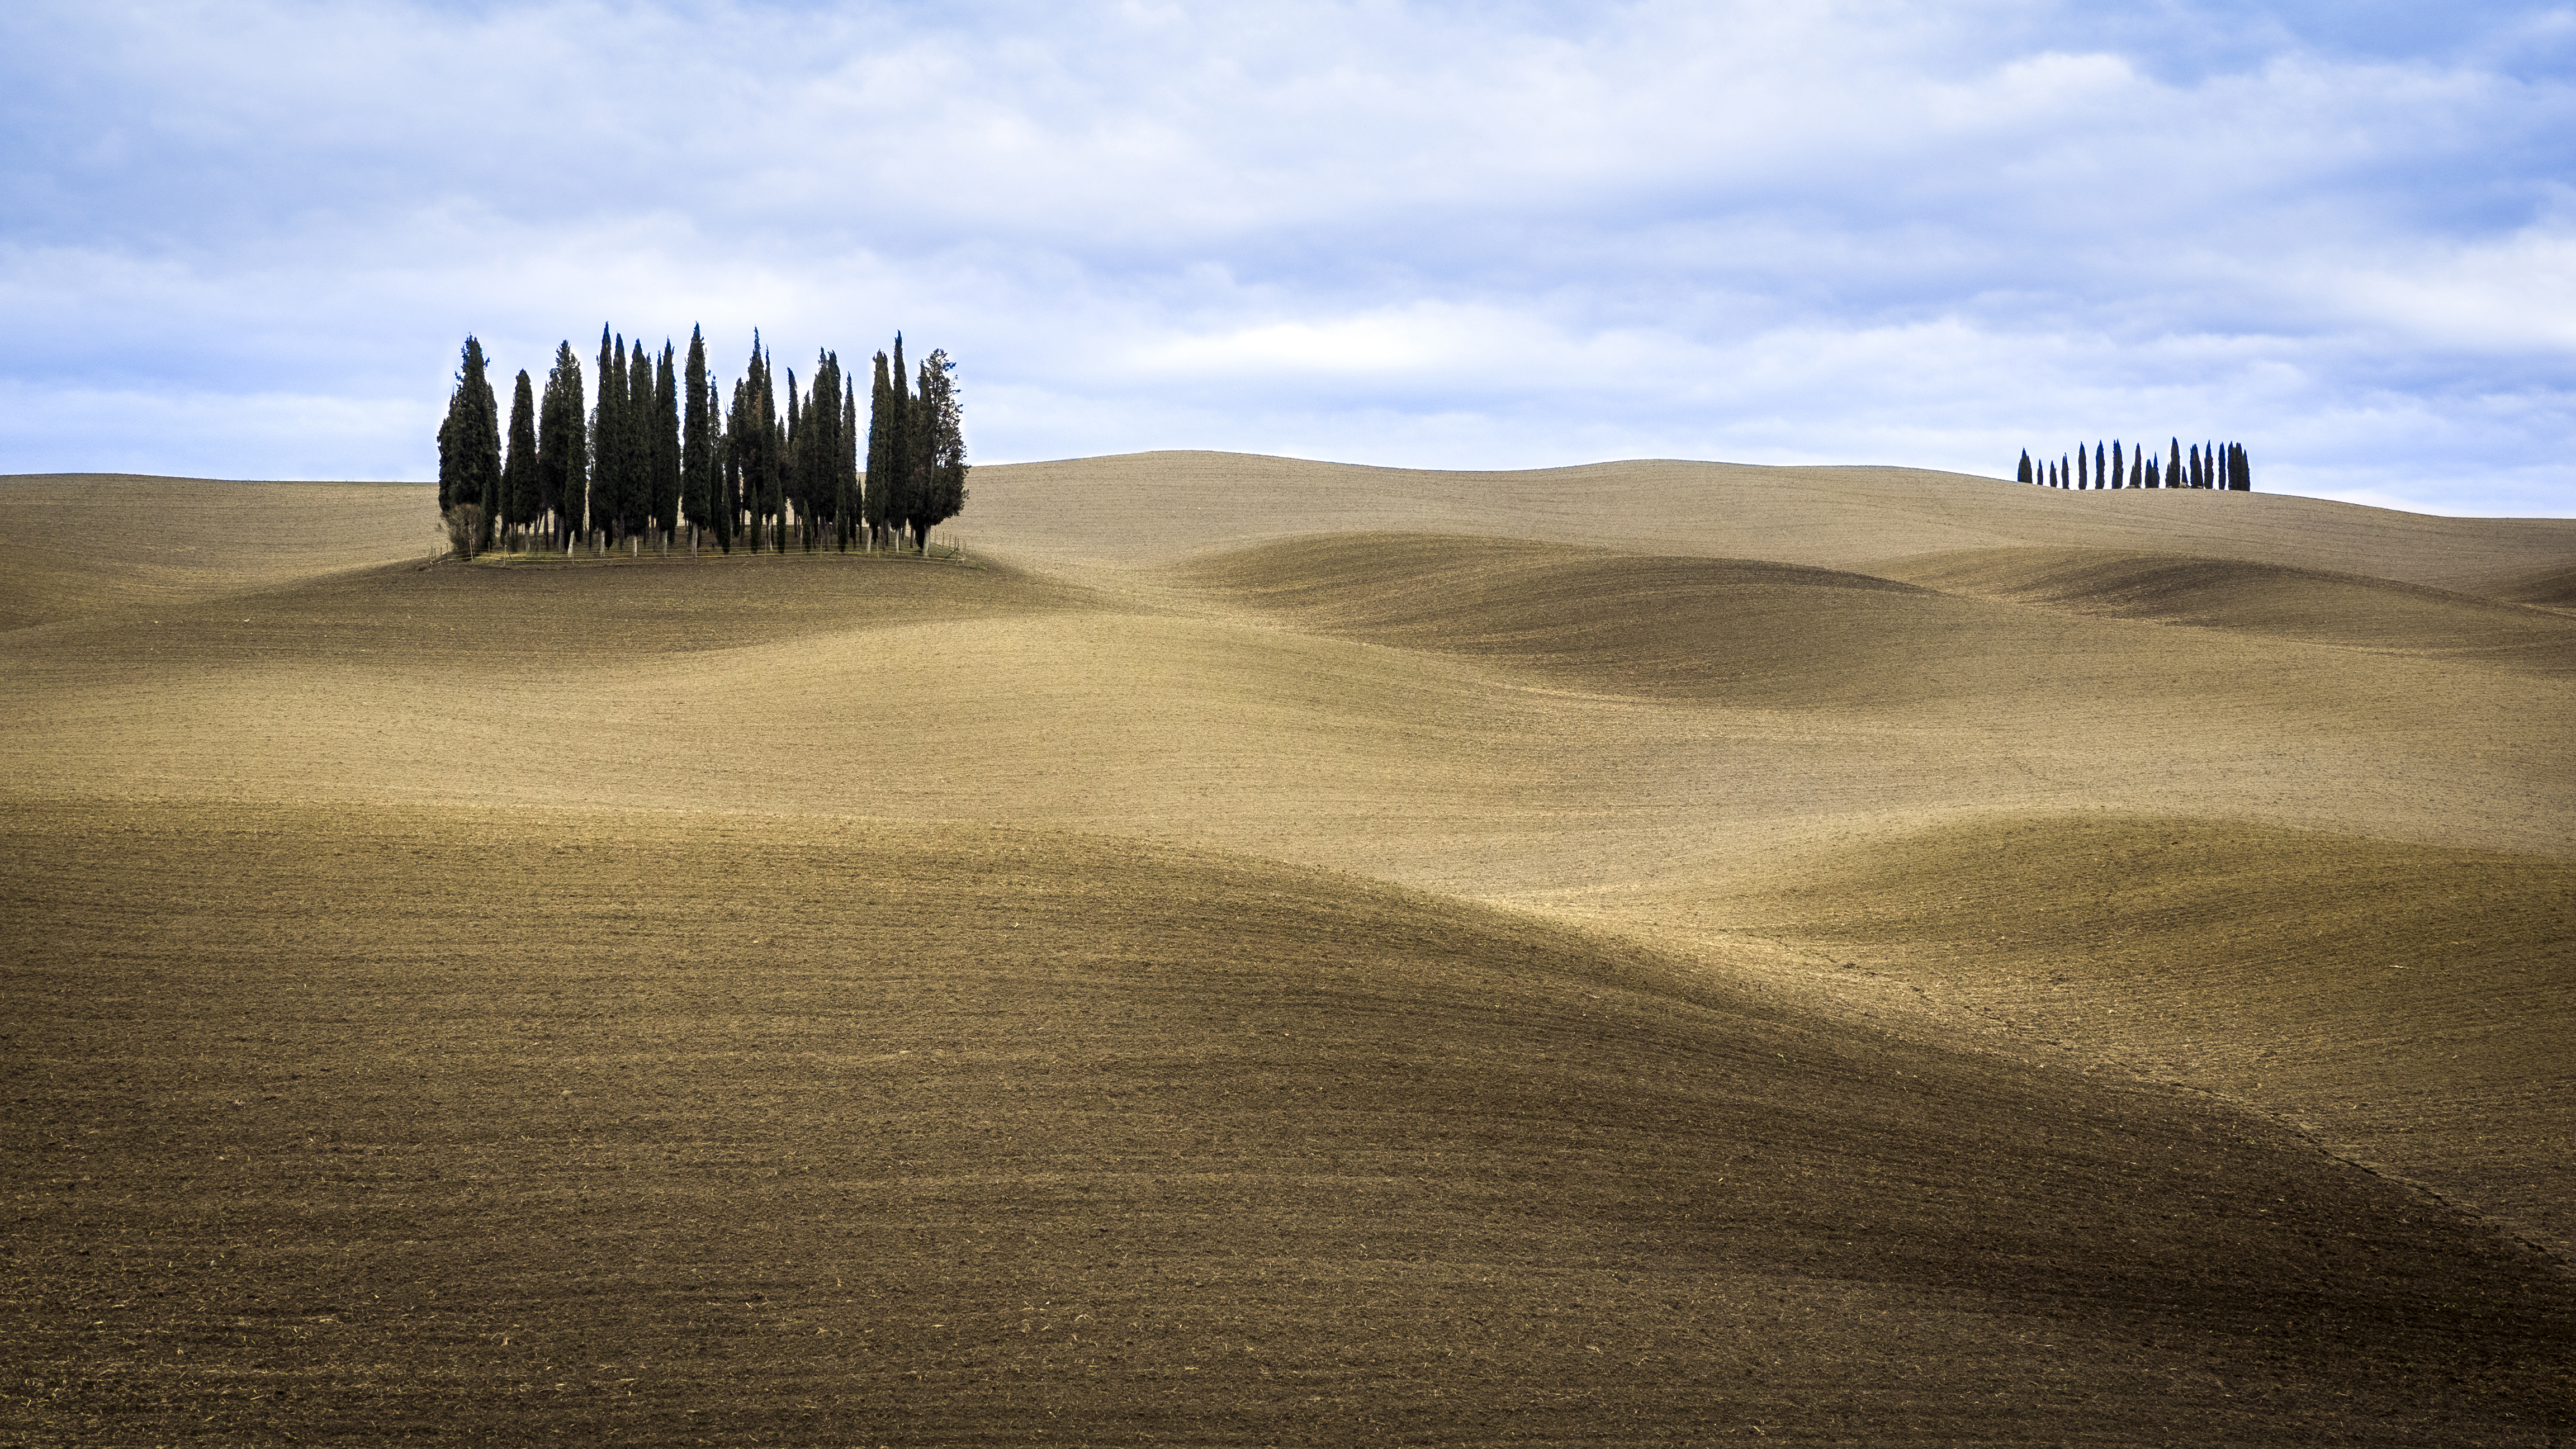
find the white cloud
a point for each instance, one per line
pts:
(1371, 230)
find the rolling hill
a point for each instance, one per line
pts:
(1282, 952)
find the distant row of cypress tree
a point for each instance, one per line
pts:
(2205, 465)
(664, 448)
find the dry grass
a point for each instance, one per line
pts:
(1374, 986)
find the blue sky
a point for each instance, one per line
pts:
(246, 239)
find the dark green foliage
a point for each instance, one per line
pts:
(903, 458)
(758, 443)
(519, 471)
(666, 444)
(818, 450)
(697, 440)
(848, 509)
(608, 437)
(661, 446)
(943, 447)
(469, 444)
(2022, 474)
(727, 482)
(791, 474)
(563, 446)
(2173, 466)
(638, 507)
(885, 426)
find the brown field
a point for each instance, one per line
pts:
(1272, 952)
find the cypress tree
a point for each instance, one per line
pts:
(740, 475)
(2199, 477)
(2173, 466)
(572, 480)
(469, 445)
(2119, 470)
(2081, 478)
(640, 448)
(760, 464)
(666, 445)
(848, 477)
(791, 477)
(2022, 473)
(2240, 468)
(904, 455)
(2138, 468)
(943, 446)
(879, 482)
(608, 438)
(697, 444)
(519, 471)
(724, 496)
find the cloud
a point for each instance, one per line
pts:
(1422, 233)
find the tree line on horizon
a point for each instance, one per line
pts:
(2205, 465)
(664, 447)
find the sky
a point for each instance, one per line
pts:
(248, 239)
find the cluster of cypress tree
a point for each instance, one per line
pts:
(2205, 465)
(663, 448)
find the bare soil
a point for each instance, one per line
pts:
(1842, 955)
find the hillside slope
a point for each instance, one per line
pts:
(1156, 507)
(2407, 1004)
(515, 1124)
(1463, 985)
(2308, 605)
(97, 542)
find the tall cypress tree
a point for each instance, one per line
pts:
(2173, 466)
(469, 444)
(666, 445)
(2082, 478)
(519, 471)
(608, 438)
(902, 457)
(568, 470)
(879, 482)
(2022, 473)
(943, 446)
(697, 443)
(727, 501)
(640, 449)
(791, 479)
(848, 476)
(760, 433)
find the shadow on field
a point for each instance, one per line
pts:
(653, 1128)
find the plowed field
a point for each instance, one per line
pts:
(1263, 952)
